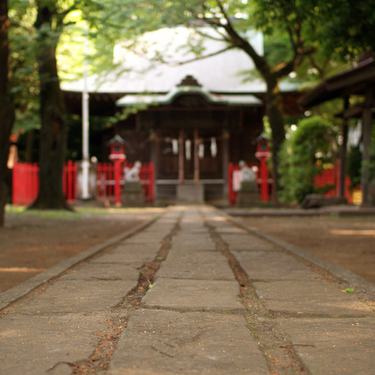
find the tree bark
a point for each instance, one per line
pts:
(53, 132)
(275, 116)
(6, 106)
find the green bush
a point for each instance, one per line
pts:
(303, 155)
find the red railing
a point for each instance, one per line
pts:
(106, 180)
(70, 181)
(26, 182)
(330, 176)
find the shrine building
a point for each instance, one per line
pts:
(190, 116)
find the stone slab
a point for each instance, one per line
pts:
(97, 271)
(199, 265)
(129, 254)
(247, 242)
(198, 233)
(273, 265)
(194, 295)
(123, 258)
(334, 346)
(146, 236)
(193, 246)
(161, 231)
(193, 231)
(79, 296)
(32, 345)
(169, 342)
(193, 242)
(143, 240)
(190, 193)
(248, 198)
(218, 222)
(230, 230)
(195, 224)
(193, 236)
(132, 199)
(316, 297)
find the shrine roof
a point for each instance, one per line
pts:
(143, 70)
(351, 81)
(168, 98)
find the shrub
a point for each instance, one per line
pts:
(303, 155)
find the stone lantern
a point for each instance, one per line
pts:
(117, 148)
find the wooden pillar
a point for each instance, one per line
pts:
(366, 136)
(344, 133)
(225, 143)
(196, 157)
(181, 174)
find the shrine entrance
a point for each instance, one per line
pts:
(190, 155)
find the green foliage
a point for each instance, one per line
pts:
(353, 166)
(25, 80)
(348, 27)
(304, 154)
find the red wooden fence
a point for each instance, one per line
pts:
(26, 182)
(106, 181)
(330, 176)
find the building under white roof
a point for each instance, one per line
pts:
(188, 98)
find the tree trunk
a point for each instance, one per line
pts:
(53, 124)
(29, 146)
(275, 115)
(6, 105)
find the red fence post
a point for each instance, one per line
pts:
(15, 192)
(117, 182)
(264, 179)
(70, 181)
(144, 177)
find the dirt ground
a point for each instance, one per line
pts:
(347, 242)
(32, 242)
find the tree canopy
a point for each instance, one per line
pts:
(348, 27)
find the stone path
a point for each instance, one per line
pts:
(191, 293)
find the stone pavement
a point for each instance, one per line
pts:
(193, 292)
